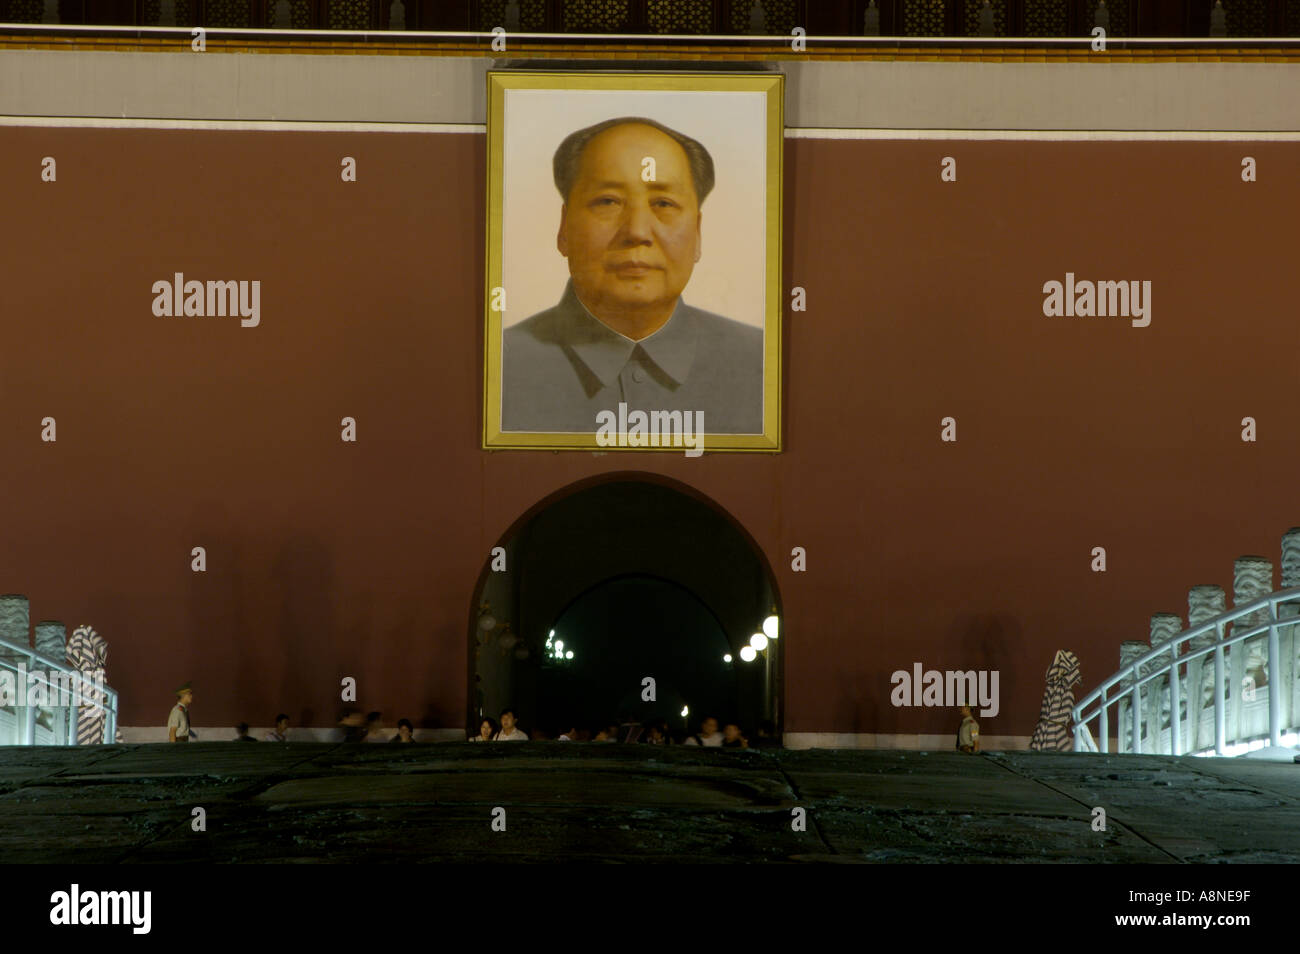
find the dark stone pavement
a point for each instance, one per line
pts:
(621, 803)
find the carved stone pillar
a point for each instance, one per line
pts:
(1203, 603)
(15, 629)
(1218, 19)
(1164, 627)
(52, 641)
(1287, 668)
(871, 20)
(1129, 652)
(1252, 578)
(15, 623)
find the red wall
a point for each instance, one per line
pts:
(328, 559)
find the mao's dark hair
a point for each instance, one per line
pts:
(569, 155)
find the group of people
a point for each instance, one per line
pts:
(356, 727)
(368, 727)
(729, 736)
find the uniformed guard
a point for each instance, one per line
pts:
(178, 723)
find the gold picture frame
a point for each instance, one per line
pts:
(546, 393)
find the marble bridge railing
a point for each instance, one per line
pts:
(1224, 684)
(71, 705)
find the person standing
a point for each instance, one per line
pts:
(178, 723)
(968, 733)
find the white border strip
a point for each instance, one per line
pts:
(1062, 135)
(112, 122)
(1041, 135)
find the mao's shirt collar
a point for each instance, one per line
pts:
(605, 352)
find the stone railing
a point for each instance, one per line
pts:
(1227, 681)
(46, 697)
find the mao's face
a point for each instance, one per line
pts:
(507, 722)
(631, 244)
(709, 726)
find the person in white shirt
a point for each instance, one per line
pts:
(281, 729)
(178, 723)
(708, 734)
(510, 731)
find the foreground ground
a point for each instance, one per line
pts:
(369, 803)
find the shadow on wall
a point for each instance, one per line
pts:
(216, 608)
(981, 636)
(311, 645)
(854, 709)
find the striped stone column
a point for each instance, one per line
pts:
(1252, 578)
(1129, 652)
(1164, 627)
(88, 652)
(1204, 602)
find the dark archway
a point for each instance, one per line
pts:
(617, 561)
(627, 629)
